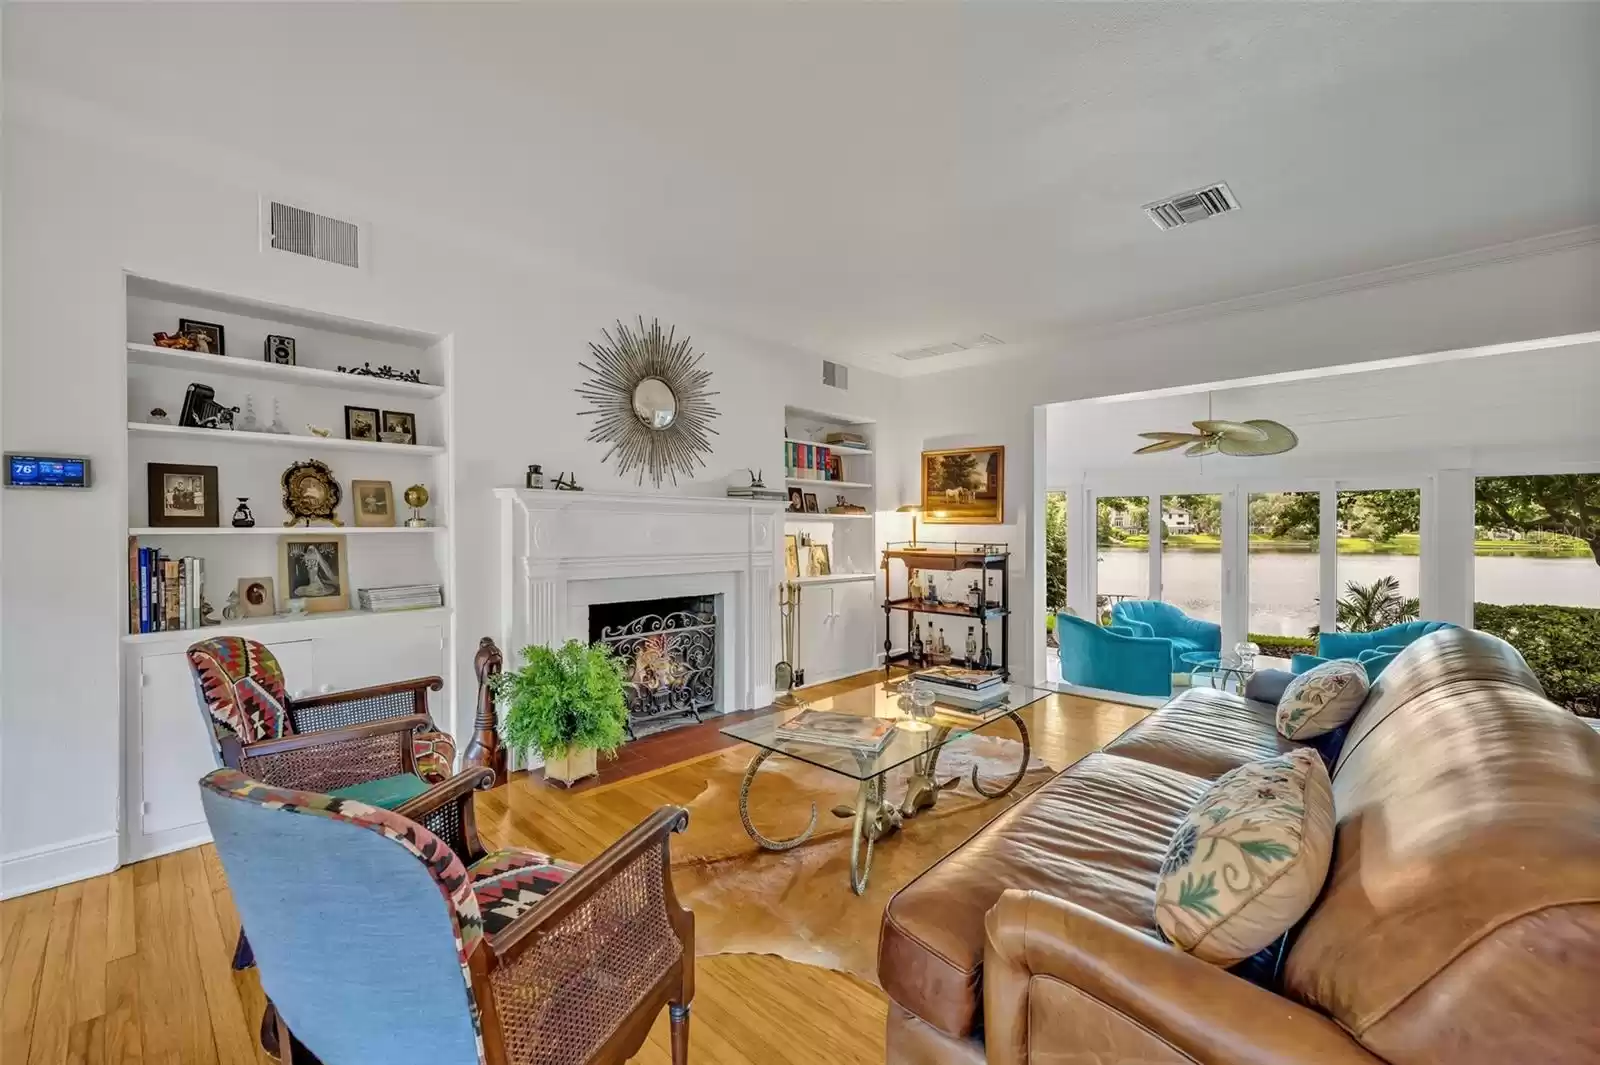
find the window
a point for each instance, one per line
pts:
(1123, 535)
(1285, 569)
(1380, 558)
(1191, 554)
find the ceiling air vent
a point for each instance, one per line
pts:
(318, 236)
(933, 351)
(1187, 207)
(835, 375)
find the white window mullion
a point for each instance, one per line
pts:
(1328, 556)
(1153, 505)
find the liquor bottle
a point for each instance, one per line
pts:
(933, 592)
(988, 594)
(975, 596)
(972, 648)
(985, 655)
(917, 651)
(942, 647)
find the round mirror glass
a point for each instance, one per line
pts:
(654, 404)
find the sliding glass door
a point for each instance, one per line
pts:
(1285, 566)
(1190, 562)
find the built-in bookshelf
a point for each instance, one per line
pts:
(284, 411)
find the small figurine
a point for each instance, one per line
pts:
(178, 341)
(914, 587)
(757, 482)
(230, 612)
(206, 610)
(317, 430)
(159, 416)
(242, 518)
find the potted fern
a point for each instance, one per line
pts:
(567, 704)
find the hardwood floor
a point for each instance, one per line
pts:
(134, 966)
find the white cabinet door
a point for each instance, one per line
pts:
(174, 736)
(858, 630)
(298, 662)
(819, 653)
(382, 656)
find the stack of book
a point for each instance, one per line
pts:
(400, 597)
(828, 729)
(163, 593)
(750, 491)
(842, 439)
(968, 688)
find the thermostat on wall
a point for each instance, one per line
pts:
(46, 471)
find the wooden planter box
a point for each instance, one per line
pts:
(571, 767)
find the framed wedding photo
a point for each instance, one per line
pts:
(312, 566)
(182, 497)
(372, 503)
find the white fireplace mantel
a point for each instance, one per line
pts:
(551, 540)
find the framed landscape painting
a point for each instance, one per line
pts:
(964, 486)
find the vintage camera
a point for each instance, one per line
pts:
(278, 350)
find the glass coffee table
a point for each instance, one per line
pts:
(917, 742)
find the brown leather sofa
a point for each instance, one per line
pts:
(1460, 923)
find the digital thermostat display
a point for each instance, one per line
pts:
(46, 471)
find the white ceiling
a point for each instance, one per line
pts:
(859, 179)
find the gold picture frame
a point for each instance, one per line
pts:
(313, 567)
(791, 555)
(372, 504)
(964, 486)
(821, 562)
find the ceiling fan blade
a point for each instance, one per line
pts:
(1204, 447)
(1169, 436)
(1279, 438)
(1169, 444)
(1241, 431)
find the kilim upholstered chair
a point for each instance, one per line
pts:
(375, 744)
(379, 942)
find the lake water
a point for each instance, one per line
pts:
(1283, 586)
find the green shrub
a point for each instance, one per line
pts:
(563, 699)
(1561, 644)
(1283, 646)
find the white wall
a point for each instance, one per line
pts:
(83, 206)
(1503, 300)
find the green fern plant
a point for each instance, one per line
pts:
(562, 700)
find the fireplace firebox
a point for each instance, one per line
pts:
(669, 647)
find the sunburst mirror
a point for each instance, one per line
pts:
(650, 402)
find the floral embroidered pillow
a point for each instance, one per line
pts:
(1322, 699)
(1249, 860)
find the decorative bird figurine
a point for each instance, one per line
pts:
(1255, 437)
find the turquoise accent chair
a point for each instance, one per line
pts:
(1113, 658)
(1147, 617)
(1374, 650)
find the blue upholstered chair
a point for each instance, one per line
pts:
(1148, 617)
(1374, 650)
(380, 942)
(1113, 658)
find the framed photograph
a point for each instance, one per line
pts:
(397, 423)
(811, 503)
(797, 501)
(791, 555)
(361, 423)
(964, 486)
(182, 497)
(256, 599)
(311, 566)
(821, 564)
(278, 350)
(372, 502)
(208, 337)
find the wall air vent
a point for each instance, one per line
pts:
(933, 351)
(835, 375)
(317, 236)
(1193, 206)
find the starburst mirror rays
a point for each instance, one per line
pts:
(649, 399)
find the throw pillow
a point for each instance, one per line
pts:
(1268, 685)
(1322, 699)
(1249, 860)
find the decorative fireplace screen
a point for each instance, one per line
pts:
(670, 648)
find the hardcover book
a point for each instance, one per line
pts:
(837, 730)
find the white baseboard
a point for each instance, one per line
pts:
(50, 866)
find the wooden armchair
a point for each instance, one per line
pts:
(369, 925)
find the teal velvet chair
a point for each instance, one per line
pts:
(1114, 658)
(1374, 650)
(1187, 635)
(380, 942)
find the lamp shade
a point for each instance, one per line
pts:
(909, 508)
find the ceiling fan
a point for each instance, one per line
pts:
(1249, 438)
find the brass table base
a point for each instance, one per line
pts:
(873, 817)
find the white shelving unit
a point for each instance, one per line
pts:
(165, 745)
(838, 611)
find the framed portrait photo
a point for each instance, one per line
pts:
(182, 497)
(312, 567)
(372, 502)
(208, 338)
(797, 502)
(361, 423)
(811, 503)
(397, 424)
(821, 562)
(964, 486)
(256, 597)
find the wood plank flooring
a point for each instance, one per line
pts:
(134, 966)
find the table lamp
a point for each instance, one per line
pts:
(912, 509)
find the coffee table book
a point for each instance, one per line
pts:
(957, 677)
(837, 730)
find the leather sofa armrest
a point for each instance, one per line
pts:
(1149, 991)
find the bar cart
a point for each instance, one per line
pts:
(985, 560)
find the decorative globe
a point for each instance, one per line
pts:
(416, 497)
